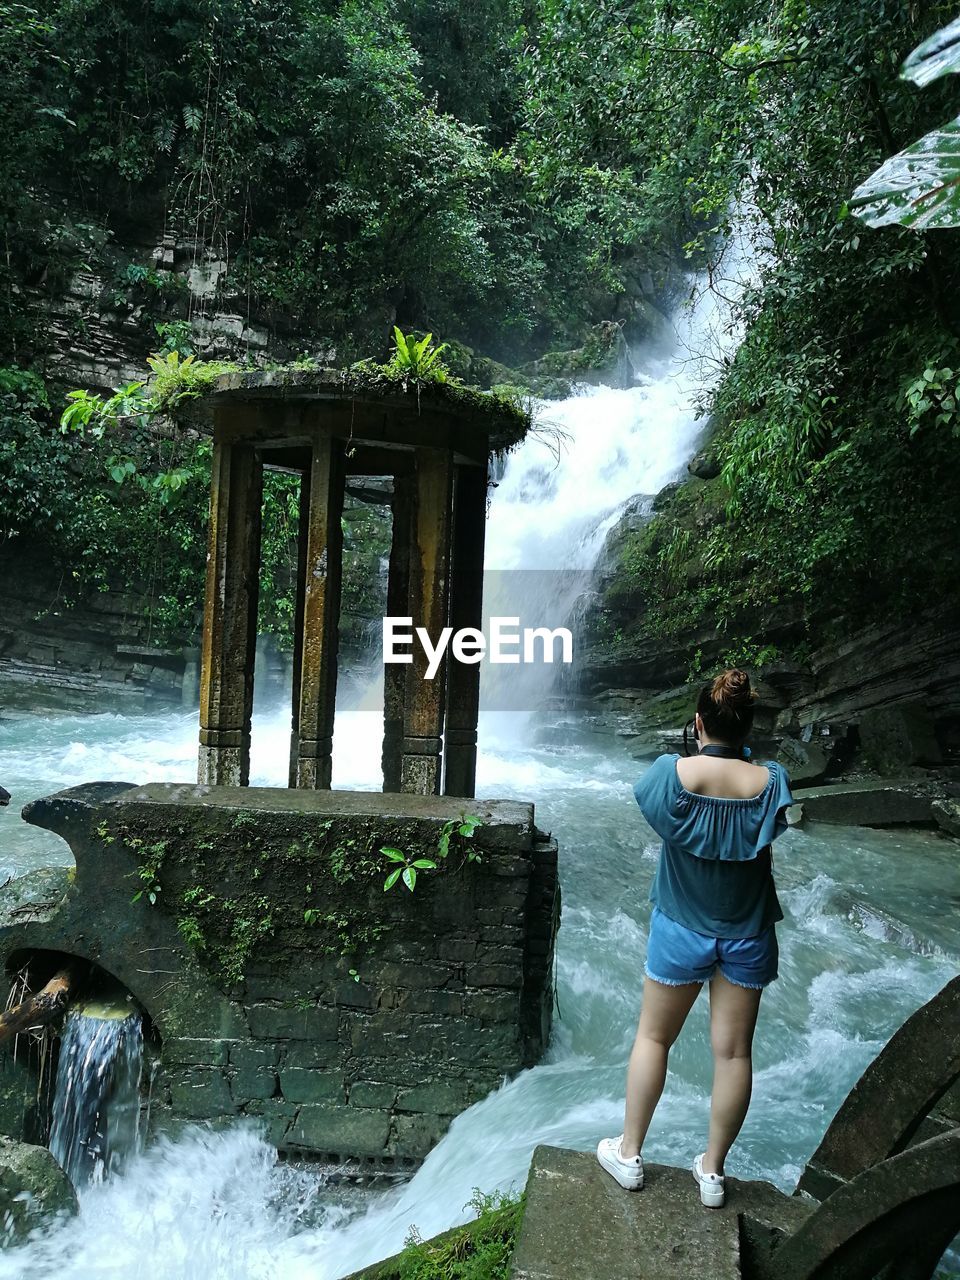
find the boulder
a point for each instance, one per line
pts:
(604, 358)
(805, 762)
(947, 814)
(794, 815)
(662, 1232)
(33, 1190)
(705, 464)
(898, 735)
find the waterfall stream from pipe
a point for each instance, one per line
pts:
(96, 1102)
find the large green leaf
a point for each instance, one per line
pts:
(919, 187)
(938, 56)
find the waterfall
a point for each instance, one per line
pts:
(96, 1106)
(566, 487)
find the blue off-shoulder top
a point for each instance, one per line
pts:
(715, 873)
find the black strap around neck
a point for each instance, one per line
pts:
(715, 749)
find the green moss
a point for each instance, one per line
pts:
(512, 419)
(671, 711)
(594, 354)
(244, 884)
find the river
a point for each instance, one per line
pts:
(872, 930)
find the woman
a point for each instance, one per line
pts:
(714, 917)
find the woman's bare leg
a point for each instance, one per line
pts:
(662, 1015)
(733, 1018)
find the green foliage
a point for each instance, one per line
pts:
(175, 378)
(151, 544)
(480, 1250)
(464, 826)
(919, 187)
(507, 177)
(407, 867)
(136, 275)
(60, 489)
(417, 360)
(933, 397)
(151, 860)
(829, 421)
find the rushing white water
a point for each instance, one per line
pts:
(96, 1103)
(869, 935)
(871, 930)
(564, 489)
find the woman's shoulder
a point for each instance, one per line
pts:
(664, 766)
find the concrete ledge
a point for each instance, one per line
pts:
(880, 803)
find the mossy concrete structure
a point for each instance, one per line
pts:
(280, 979)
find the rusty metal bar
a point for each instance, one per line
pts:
(230, 615)
(466, 610)
(321, 615)
(427, 604)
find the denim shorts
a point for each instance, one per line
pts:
(677, 955)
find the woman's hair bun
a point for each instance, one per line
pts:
(731, 689)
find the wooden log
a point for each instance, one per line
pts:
(40, 1009)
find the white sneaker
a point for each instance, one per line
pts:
(712, 1186)
(629, 1173)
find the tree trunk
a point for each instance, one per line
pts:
(39, 1009)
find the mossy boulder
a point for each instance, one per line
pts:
(33, 1190)
(604, 358)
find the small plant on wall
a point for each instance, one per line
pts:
(406, 867)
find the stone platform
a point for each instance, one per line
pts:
(579, 1224)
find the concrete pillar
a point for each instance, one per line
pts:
(466, 610)
(427, 603)
(321, 615)
(398, 591)
(230, 616)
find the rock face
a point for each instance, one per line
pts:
(282, 980)
(33, 1189)
(98, 653)
(805, 762)
(704, 464)
(849, 668)
(898, 735)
